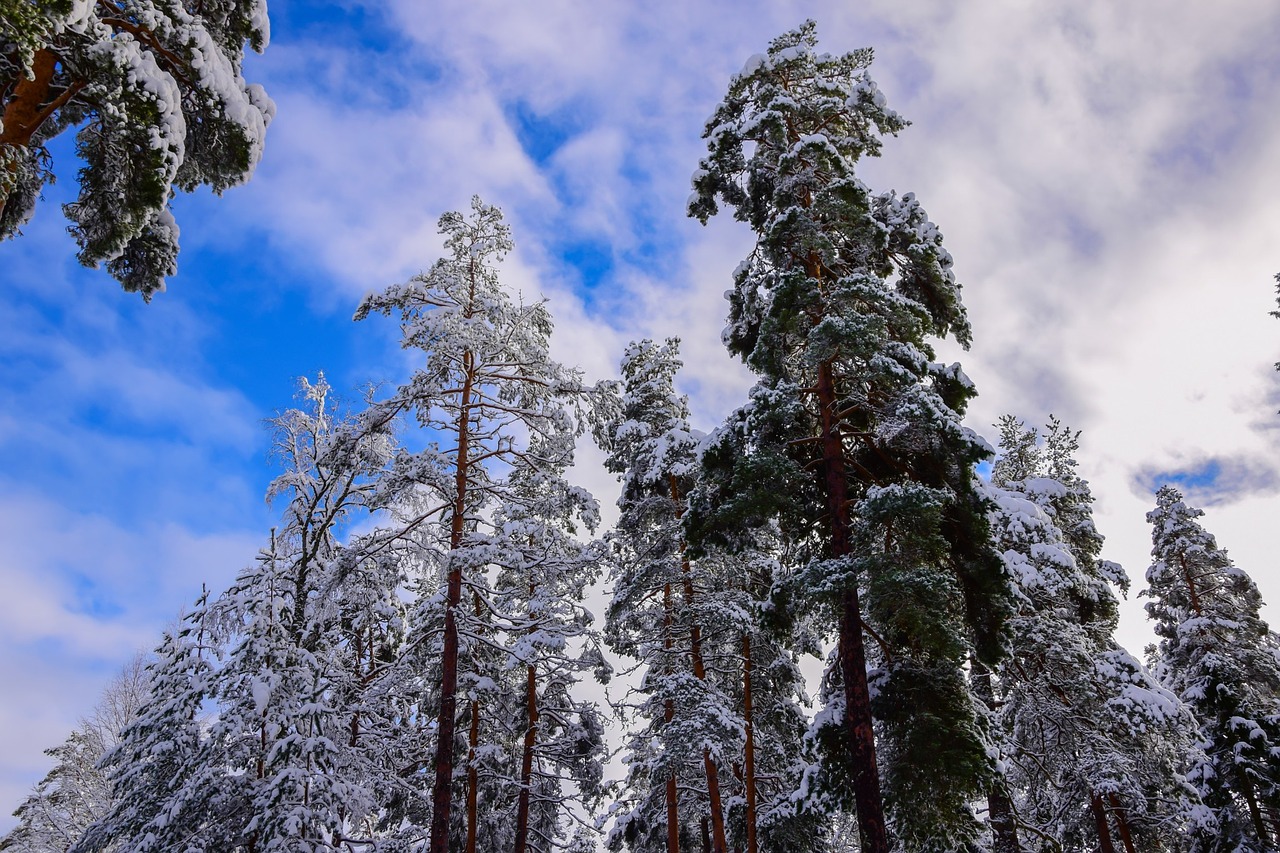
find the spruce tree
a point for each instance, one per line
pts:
(156, 92)
(852, 440)
(1218, 655)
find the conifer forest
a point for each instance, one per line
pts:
(836, 614)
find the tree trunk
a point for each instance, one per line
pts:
(530, 739)
(1004, 827)
(673, 793)
(749, 777)
(442, 792)
(718, 842)
(1255, 814)
(526, 762)
(473, 779)
(863, 773)
(1122, 823)
(1105, 844)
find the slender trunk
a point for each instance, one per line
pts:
(1255, 814)
(526, 763)
(1105, 844)
(442, 792)
(668, 713)
(526, 758)
(863, 773)
(749, 770)
(1004, 827)
(719, 844)
(706, 836)
(473, 779)
(1122, 823)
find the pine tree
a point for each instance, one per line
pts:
(852, 437)
(687, 713)
(153, 767)
(1094, 745)
(1219, 657)
(498, 414)
(156, 91)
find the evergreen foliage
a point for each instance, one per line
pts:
(1095, 746)
(1219, 657)
(487, 516)
(852, 442)
(155, 90)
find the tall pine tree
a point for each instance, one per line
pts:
(1220, 657)
(852, 438)
(499, 417)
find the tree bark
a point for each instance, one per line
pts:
(526, 762)
(1122, 823)
(749, 769)
(442, 792)
(1004, 827)
(1105, 844)
(1255, 814)
(718, 842)
(672, 793)
(863, 773)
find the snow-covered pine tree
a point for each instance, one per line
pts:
(156, 91)
(155, 806)
(543, 575)
(1094, 745)
(1220, 657)
(490, 401)
(77, 791)
(657, 615)
(852, 438)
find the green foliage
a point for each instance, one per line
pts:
(155, 88)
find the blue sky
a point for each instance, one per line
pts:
(1107, 175)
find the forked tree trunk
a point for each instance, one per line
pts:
(863, 773)
(1122, 823)
(718, 842)
(1105, 844)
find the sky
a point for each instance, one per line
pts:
(1106, 175)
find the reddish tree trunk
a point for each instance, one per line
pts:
(1122, 823)
(673, 793)
(863, 773)
(1105, 844)
(526, 763)
(718, 841)
(442, 792)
